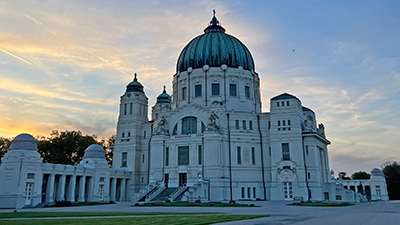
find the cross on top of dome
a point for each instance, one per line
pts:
(214, 25)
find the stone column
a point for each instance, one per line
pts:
(123, 189)
(61, 196)
(113, 190)
(72, 183)
(51, 183)
(82, 189)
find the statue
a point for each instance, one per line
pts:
(160, 127)
(212, 122)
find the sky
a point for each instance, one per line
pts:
(64, 64)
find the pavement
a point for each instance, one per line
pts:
(375, 213)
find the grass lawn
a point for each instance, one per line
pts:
(322, 204)
(170, 220)
(83, 214)
(185, 204)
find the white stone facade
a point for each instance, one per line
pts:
(209, 141)
(27, 182)
(212, 137)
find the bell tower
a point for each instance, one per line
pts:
(131, 128)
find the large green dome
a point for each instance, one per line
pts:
(215, 48)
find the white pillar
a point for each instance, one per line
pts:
(51, 183)
(113, 190)
(82, 189)
(72, 183)
(123, 185)
(62, 188)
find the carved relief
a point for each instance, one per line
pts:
(212, 122)
(246, 155)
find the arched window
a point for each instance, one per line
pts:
(175, 130)
(189, 125)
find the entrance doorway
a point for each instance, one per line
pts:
(287, 191)
(28, 191)
(101, 192)
(166, 179)
(182, 179)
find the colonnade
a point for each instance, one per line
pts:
(81, 188)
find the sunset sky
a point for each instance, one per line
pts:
(64, 64)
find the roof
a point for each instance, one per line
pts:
(306, 109)
(94, 152)
(284, 96)
(377, 172)
(215, 48)
(164, 97)
(134, 86)
(24, 142)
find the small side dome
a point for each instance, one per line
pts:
(94, 152)
(375, 172)
(24, 142)
(164, 97)
(134, 86)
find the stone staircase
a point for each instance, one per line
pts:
(177, 194)
(164, 195)
(142, 195)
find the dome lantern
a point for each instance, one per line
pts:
(164, 97)
(134, 86)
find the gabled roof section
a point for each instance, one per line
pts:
(284, 96)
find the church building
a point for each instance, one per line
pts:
(209, 140)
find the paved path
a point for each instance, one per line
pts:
(281, 214)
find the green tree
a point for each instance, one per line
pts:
(361, 175)
(4, 145)
(67, 147)
(391, 170)
(108, 145)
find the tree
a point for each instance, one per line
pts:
(343, 176)
(66, 147)
(4, 145)
(108, 145)
(391, 170)
(361, 175)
